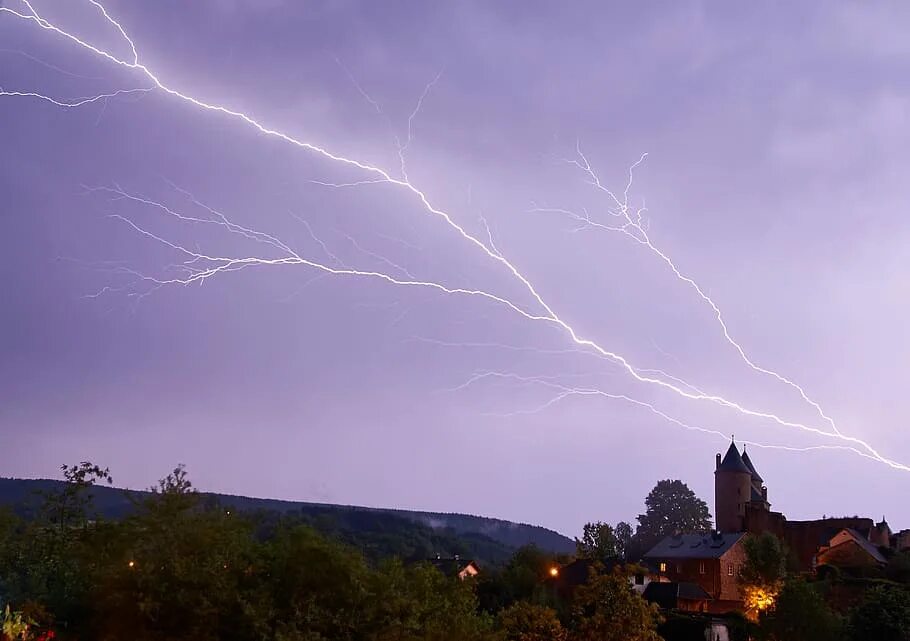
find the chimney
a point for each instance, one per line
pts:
(717, 461)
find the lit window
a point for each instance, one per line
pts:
(663, 567)
(701, 567)
(729, 569)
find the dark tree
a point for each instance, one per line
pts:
(884, 615)
(598, 541)
(624, 540)
(801, 613)
(671, 508)
(607, 609)
(764, 571)
(522, 579)
(525, 621)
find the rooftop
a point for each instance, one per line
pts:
(733, 462)
(694, 546)
(666, 595)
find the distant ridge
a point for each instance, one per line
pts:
(487, 538)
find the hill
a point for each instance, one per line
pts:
(378, 532)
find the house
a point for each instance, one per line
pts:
(678, 595)
(576, 573)
(849, 550)
(455, 566)
(902, 540)
(710, 561)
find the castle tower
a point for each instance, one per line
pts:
(760, 492)
(732, 491)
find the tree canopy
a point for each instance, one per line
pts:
(762, 575)
(670, 508)
(598, 542)
(607, 609)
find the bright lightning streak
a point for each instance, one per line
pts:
(537, 350)
(218, 265)
(78, 102)
(407, 143)
(633, 227)
(567, 392)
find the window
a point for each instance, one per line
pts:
(729, 569)
(701, 567)
(663, 567)
(679, 568)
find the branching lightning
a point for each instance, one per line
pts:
(198, 266)
(633, 225)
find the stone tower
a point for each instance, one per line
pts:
(759, 491)
(732, 491)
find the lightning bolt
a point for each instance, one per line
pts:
(565, 392)
(633, 225)
(198, 266)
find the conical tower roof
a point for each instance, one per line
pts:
(755, 475)
(733, 462)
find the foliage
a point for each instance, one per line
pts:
(763, 573)
(15, 626)
(182, 568)
(607, 609)
(766, 560)
(43, 560)
(898, 568)
(800, 612)
(522, 579)
(598, 542)
(624, 540)
(670, 508)
(525, 621)
(742, 629)
(379, 533)
(883, 615)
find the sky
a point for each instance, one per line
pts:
(292, 316)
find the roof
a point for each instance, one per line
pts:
(451, 567)
(733, 462)
(695, 546)
(756, 495)
(748, 462)
(577, 572)
(667, 595)
(868, 546)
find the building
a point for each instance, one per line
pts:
(741, 505)
(849, 550)
(455, 566)
(576, 573)
(688, 597)
(739, 492)
(712, 562)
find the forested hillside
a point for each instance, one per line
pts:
(377, 532)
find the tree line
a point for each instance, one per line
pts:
(181, 568)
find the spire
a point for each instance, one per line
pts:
(733, 462)
(755, 475)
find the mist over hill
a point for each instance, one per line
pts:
(377, 532)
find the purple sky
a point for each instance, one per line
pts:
(776, 178)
